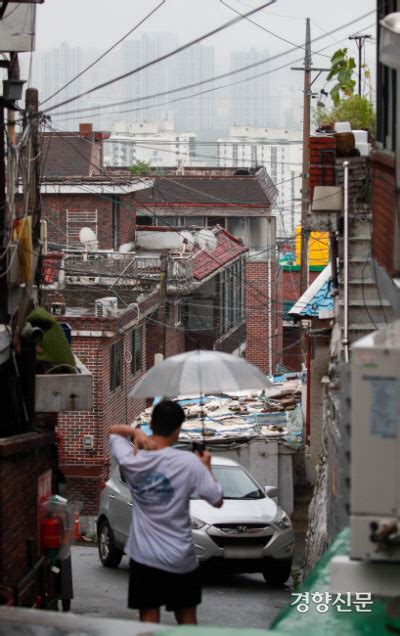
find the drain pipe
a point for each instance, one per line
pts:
(345, 340)
(271, 341)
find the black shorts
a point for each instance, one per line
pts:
(150, 587)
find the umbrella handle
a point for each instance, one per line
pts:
(198, 447)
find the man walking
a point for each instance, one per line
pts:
(163, 564)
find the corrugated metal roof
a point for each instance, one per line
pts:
(317, 301)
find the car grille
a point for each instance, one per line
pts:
(234, 542)
(238, 527)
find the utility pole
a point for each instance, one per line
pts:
(360, 41)
(161, 303)
(32, 119)
(13, 74)
(307, 69)
(3, 223)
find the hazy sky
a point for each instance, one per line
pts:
(100, 22)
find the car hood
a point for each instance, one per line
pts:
(235, 511)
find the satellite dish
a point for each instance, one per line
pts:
(126, 248)
(88, 238)
(188, 240)
(206, 240)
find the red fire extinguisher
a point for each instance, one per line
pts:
(51, 531)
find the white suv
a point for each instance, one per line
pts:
(250, 533)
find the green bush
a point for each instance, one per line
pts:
(357, 110)
(141, 169)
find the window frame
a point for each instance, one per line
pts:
(116, 373)
(136, 350)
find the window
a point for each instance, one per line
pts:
(136, 362)
(195, 220)
(116, 365)
(232, 296)
(178, 314)
(386, 91)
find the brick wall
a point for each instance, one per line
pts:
(322, 161)
(258, 338)
(174, 334)
(383, 209)
(57, 207)
(289, 282)
(23, 458)
(86, 470)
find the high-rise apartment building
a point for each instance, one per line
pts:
(156, 143)
(250, 100)
(193, 65)
(280, 152)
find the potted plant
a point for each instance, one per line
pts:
(358, 110)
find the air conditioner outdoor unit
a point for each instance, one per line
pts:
(106, 307)
(375, 447)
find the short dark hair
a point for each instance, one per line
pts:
(166, 417)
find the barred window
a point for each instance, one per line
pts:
(136, 362)
(116, 352)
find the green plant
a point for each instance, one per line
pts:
(141, 169)
(357, 110)
(342, 69)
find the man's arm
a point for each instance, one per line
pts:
(140, 439)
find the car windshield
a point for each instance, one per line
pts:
(236, 483)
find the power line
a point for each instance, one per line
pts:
(103, 55)
(263, 28)
(224, 75)
(165, 56)
(213, 79)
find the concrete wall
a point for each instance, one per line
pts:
(319, 369)
(270, 463)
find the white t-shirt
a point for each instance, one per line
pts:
(161, 483)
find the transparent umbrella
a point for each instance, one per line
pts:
(199, 373)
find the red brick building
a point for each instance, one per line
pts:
(242, 205)
(76, 191)
(114, 350)
(204, 291)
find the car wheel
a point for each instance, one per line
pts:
(277, 572)
(109, 554)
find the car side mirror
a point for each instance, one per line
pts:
(271, 491)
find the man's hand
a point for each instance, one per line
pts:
(140, 439)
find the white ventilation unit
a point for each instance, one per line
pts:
(106, 307)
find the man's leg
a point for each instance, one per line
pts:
(151, 615)
(186, 616)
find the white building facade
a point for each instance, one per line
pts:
(280, 152)
(156, 143)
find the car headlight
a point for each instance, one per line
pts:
(196, 524)
(283, 521)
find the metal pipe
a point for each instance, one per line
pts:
(345, 340)
(271, 341)
(308, 391)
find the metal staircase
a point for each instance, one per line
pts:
(367, 310)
